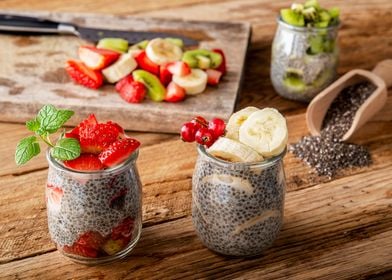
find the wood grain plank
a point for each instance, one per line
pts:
(336, 230)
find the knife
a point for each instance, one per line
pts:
(33, 25)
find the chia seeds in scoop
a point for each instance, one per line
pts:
(325, 153)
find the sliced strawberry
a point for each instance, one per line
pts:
(118, 151)
(81, 74)
(123, 229)
(74, 133)
(146, 64)
(95, 138)
(87, 245)
(77, 249)
(213, 76)
(117, 126)
(85, 162)
(222, 67)
(95, 58)
(164, 75)
(179, 68)
(53, 197)
(131, 90)
(174, 93)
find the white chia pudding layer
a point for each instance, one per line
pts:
(98, 203)
(237, 211)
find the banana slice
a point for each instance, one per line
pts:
(233, 151)
(162, 51)
(265, 131)
(236, 120)
(194, 83)
(122, 67)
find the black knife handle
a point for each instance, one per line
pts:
(13, 23)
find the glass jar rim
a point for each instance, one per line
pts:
(262, 164)
(306, 28)
(118, 168)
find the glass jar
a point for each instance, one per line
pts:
(237, 208)
(94, 217)
(304, 60)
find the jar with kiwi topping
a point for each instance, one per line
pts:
(305, 52)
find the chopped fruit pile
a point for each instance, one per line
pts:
(203, 132)
(251, 135)
(160, 69)
(310, 14)
(92, 244)
(102, 145)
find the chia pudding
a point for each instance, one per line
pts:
(98, 203)
(237, 208)
(304, 60)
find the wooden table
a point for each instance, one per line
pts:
(339, 229)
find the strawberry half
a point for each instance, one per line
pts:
(77, 249)
(179, 68)
(123, 229)
(222, 67)
(213, 76)
(95, 138)
(74, 133)
(118, 151)
(95, 58)
(174, 93)
(83, 75)
(146, 64)
(130, 90)
(164, 75)
(53, 197)
(87, 245)
(85, 162)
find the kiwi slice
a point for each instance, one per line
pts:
(316, 45)
(155, 90)
(334, 12)
(312, 3)
(293, 18)
(115, 44)
(294, 83)
(192, 58)
(140, 46)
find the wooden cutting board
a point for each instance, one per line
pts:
(32, 74)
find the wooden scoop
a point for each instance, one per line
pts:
(381, 77)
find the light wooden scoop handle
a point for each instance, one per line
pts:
(384, 70)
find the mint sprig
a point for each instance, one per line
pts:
(48, 121)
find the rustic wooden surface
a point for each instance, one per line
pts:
(37, 64)
(339, 229)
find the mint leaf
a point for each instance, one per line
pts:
(66, 149)
(33, 125)
(26, 149)
(51, 119)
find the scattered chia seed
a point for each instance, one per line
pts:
(325, 153)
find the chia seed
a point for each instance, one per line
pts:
(326, 153)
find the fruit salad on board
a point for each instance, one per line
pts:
(159, 69)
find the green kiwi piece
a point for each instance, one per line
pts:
(176, 41)
(140, 46)
(294, 83)
(324, 16)
(192, 57)
(310, 14)
(115, 44)
(293, 18)
(334, 12)
(316, 45)
(312, 3)
(155, 90)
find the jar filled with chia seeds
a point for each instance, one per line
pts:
(237, 208)
(304, 60)
(94, 217)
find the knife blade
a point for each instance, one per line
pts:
(32, 25)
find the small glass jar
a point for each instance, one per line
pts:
(304, 60)
(237, 208)
(94, 217)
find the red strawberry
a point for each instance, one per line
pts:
(118, 151)
(117, 126)
(164, 75)
(130, 90)
(174, 93)
(95, 138)
(74, 133)
(80, 250)
(123, 229)
(213, 76)
(84, 162)
(53, 197)
(118, 200)
(146, 64)
(87, 245)
(95, 58)
(179, 68)
(222, 67)
(81, 74)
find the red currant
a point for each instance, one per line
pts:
(204, 136)
(188, 131)
(217, 126)
(199, 122)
